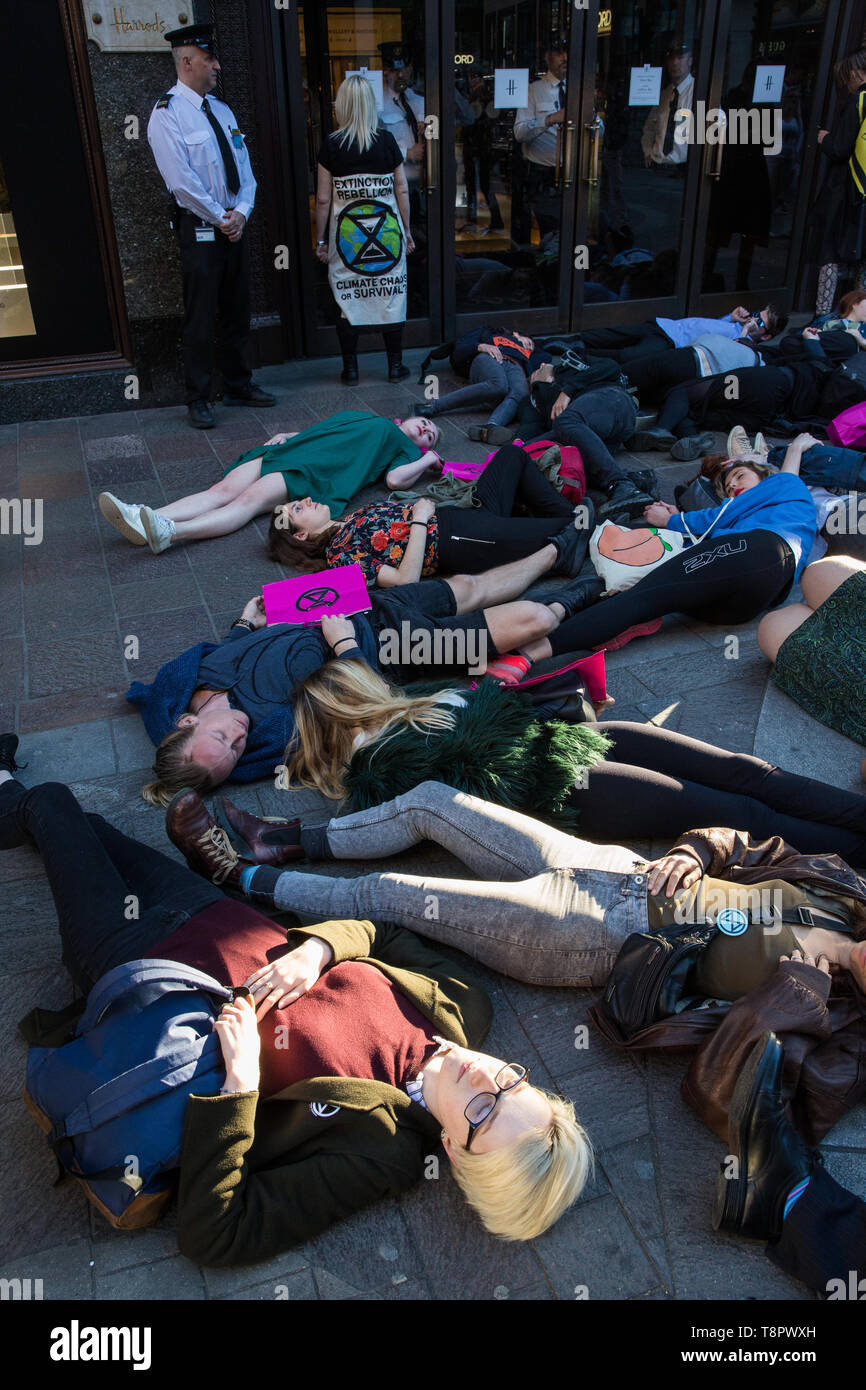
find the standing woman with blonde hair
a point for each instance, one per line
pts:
(362, 190)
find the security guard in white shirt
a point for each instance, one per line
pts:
(661, 149)
(537, 128)
(201, 155)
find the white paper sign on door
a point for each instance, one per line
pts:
(374, 76)
(510, 87)
(769, 82)
(645, 86)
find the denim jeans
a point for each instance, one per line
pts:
(824, 465)
(591, 422)
(546, 907)
(502, 384)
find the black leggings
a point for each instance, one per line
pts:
(115, 897)
(348, 335)
(725, 579)
(655, 784)
(472, 539)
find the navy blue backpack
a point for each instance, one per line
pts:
(112, 1101)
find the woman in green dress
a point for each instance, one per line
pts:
(332, 460)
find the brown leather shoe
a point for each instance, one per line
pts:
(261, 839)
(205, 847)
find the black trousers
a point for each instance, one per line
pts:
(472, 539)
(824, 1238)
(216, 303)
(724, 579)
(349, 333)
(658, 779)
(115, 897)
(628, 343)
(657, 373)
(749, 396)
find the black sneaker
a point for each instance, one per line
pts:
(684, 450)
(8, 749)
(572, 543)
(574, 597)
(771, 1156)
(624, 503)
(492, 434)
(652, 438)
(200, 415)
(253, 395)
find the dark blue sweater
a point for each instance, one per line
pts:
(167, 697)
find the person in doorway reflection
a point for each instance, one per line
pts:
(660, 147)
(403, 116)
(537, 131)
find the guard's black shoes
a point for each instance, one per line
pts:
(200, 415)
(8, 749)
(770, 1157)
(253, 395)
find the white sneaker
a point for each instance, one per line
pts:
(762, 448)
(738, 442)
(158, 529)
(123, 516)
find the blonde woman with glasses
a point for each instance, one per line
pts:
(363, 194)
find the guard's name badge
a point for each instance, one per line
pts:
(204, 234)
(732, 921)
(237, 139)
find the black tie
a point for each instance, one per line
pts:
(232, 176)
(410, 115)
(668, 145)
(560, 96)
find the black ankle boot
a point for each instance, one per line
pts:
(8, 749)
(350, 368)
(396, 370)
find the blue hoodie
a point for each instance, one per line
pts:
(167, 697)
(781, 503)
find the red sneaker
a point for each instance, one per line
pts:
(639, 630)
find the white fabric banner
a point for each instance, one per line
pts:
(367, 250)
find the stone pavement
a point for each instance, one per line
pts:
(67, 607)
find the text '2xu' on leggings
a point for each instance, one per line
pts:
(723, 579)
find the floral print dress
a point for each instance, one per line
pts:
(377, 535)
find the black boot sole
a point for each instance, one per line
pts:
(729, 1201)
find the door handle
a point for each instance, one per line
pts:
(431, 137)
(594, 130)
(715, 161)
(568, 170)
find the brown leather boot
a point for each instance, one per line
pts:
(261, 839)
(205, 847)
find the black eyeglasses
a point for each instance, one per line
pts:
(481, 1107)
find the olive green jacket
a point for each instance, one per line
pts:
(259, 1176)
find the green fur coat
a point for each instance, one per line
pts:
(497, 750)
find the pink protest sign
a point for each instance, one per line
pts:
(310, 597)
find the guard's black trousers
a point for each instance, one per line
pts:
(216, 285)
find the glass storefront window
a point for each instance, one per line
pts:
(16, 318)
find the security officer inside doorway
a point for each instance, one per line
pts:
(200, 152)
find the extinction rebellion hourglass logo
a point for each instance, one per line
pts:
(369, 238)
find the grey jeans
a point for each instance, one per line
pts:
(503, 382)
(546, 908)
